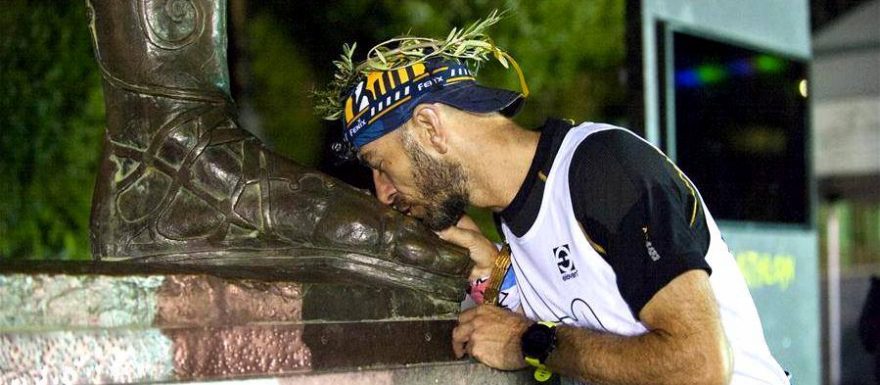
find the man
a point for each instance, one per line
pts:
(611, 246)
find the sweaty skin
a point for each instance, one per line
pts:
(685, 343)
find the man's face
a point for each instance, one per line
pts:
(414, 182)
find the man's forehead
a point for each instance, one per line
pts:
(380, 146)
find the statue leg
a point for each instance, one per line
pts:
(181, 182)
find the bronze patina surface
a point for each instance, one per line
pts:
(182, 183)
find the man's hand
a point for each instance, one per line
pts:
(467, 234)
(492, 336)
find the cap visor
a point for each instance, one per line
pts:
(470, 96)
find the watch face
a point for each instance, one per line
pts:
(536, 341)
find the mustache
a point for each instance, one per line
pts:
(401, 204)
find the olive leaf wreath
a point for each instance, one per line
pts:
(470, 45)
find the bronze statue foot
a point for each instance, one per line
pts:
(180, 182)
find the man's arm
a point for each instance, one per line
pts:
(685, 344)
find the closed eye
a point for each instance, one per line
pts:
(364, 161)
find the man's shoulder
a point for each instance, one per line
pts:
(610, 136)
(615, 148)
(614, 166)
(600, 144)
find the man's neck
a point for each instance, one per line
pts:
(500, 164)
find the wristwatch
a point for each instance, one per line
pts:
(538, 341)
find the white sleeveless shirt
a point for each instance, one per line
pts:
(560, 277)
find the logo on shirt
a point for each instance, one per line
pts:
(652, 252)
(564, 262)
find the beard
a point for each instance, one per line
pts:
(441, 184)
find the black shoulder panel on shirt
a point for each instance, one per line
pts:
(520, 215)
(639, 211)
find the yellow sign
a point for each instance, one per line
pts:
(765, 269)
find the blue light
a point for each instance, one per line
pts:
(741, 67)
(687, 78)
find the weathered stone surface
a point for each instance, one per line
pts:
(85, 356)
(138, 356)
(71, 324)
(457, 373)
(45, 302)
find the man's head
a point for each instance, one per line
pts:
(418, 168)
(407, 125)
(404, 108)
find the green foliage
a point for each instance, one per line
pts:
(50, 129)
(282, 81)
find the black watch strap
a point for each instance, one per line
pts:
(538, 341)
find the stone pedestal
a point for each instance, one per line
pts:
(132, 323)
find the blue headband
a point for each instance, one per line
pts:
(383, 101)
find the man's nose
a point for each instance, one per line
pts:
(384, 188)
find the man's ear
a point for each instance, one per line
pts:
(430, 127)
